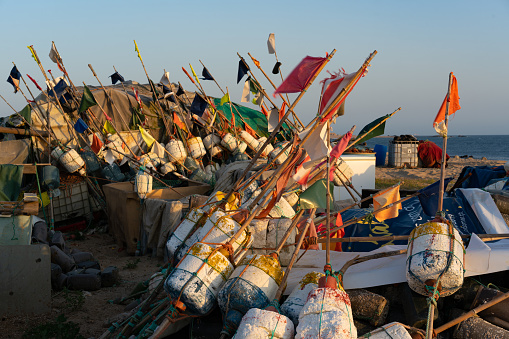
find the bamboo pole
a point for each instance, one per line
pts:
(444, 148)
(327, 244)
(483, 237)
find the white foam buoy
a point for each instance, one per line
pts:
(241, 148)
(196, 147)
(215, 151)
(177, 150)
(263, 324)
(150, 160)
(115, 143)
(167, 168)
(392, 330)
(186, 226)
(143, 184)
(211, 140)
(73, 162)
(297, 299)
(326, 314)
(230, 142)
(435, 254)
(269, 148)
(251, 142)
(57, 153)
(278, 149)
(291, 198)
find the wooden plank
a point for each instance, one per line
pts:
(19, 207)
(21, 131)
(30, 169)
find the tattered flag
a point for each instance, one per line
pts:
(13, 78)
(116, 77)
(271, 43)
(53, 55)
(301, 75)
(180, 90)
(58, 89)
(165, 79)
(87, 100)
(453, 99)
(199, 105)
(206, 74)
(225, 99)
(275, 70)
(80, 126)
(243, 69)
(245, 91)
(149, 140)
(96, 144)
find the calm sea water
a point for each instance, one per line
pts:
(493, 147)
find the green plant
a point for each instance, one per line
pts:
(74, 300)
(132, 264)
(60, 329)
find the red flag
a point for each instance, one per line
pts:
(96, 144)
(454, 105)
(301, 75)
(264, 111)
(302, 174)
(179, 122)
(340, 233)
(338, 150)
(282, 111)
(35, 83)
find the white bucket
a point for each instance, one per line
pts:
(263, 324)
(167, 168)
(72, 161)
(229, 142)
(267, 149)
(278, 149)
(177, 151)
(196, 147)
(297, 299)
(143, 185)
(326, 314)
(211, 140)
(183, 230)
(250, 141)
(429, 248)
(392, 330)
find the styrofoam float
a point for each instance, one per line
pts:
(211, 140)
(230, 142)
(278, 149)
(196, 147)
(193, 220)
(297, 299)
(263, 324)
(143, 184)
(177, 151)
(73, 162)
(392, 330)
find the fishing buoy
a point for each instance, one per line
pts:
(241, 148)
(177, 150)
(57, 153)
(167, 168)
(142, 184)
(278, 149)
(73, 162)
(291, 198)
(251, 142)
(115, 143)
(198, 277)
(263, 324)
(282, 209)
(211, 140)
(269, 148)
(435, 256)
(326, 314)
(196, 147)
(215, 151)
(192, 221)
(297, 299)
(150, 160)
(390, 331)
(91, 162)
(229, 142)
(253, 284)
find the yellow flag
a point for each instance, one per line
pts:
(33, 54)
(149, 140)
(194, 73)
(137, 50)
(385, 198)
(108, 128)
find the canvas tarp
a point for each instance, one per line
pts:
(14, 151)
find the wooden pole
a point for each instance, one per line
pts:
(444, 149)
(371, 129)
(483, 237)
(327, 244)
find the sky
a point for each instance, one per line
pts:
(418, 44)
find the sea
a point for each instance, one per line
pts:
(493, 147)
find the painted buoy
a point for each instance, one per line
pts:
(263, 324)
(198, 277)
(73, 162)
(229, 142)
(143, 184)
(177, 150)
(167, 168)
(392, 330)
(278, 149)
(435, 253)
(267, 149)
(297, 299)
(196, 147)
(253, 284)
(250, 141)
(211, 140)
(192, 221)
(326, 314)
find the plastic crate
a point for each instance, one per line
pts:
(72, 202)
(403, 153)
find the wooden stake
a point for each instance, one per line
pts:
(444, 149)
(327, 244)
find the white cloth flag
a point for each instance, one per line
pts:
(165, 79)
(273, 119)
(271, 43)
(316, 145)
(245, 92)
(53, 55)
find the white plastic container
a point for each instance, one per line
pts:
(229, 142)
(278, 149)
(251, 142)
(196, 147)
(392, 330)
(297, 299)
(211, 140)
(143, 184)
(73, 162)
(263, 324)
(326, 314)
(186, 226)
(176, 150)
(429, 248)
(291, 198)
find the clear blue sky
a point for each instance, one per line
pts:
(418, 44)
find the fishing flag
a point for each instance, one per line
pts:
(168, 93)
(108, 128)
(87, 100)
(199, 105)
(178, 122)
(454, 105)
(206, 74)
(225, 99)
(316, 145)
(194, 73)
(116, 77)
(302, 172)
(180, 90)
(31, 48)
(245, 91)
(165, 79)
(243, 69)
(35, 83)
(53, 55)
(80, 126)
(301, 75)
(265, 112)
(429, 197)
(275, 70)
(385, 198)
(13, 78)
(137, 50)
(272, 119)
(316, 195)
(158, 149)
(96, 144)
(331, 88)
(58, 89)
(149, 140)
(271, 43)
(379, 130)
(249, 129)
(255, 87)
(26, 113)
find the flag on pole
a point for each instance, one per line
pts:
(245, 91)
(429, 195)
(180, 91)
(87, 100)
(137, 50)
(96, 144)
(58, 89)
(178, 122)
(453, 99)
(340, 147)
(379, 130)
(33, 54)
(332, 87)
(385, 198)
(80, 126)
(149, 140)
(316, 145)
(243, 69)
(199, 105)
(275, 70)
(108, 128)
(158, 149)
(116, 77)
(264, 111)
(53, 55)
(26, 113)
(225, 99)
(194, 73)
(272, 119)
(271, 43)
(35, 83)
(13, 78)
(168, 94)
(302, 172)
(165, 79)
(301, 75)
(316, 195)
(206, 74)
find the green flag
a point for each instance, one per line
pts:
(108, 128)
(254, 87)
(87, 100)
(316, 195)
(379, 130)
(225, 99)
(27, 113)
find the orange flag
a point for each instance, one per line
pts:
(250, 130)
(454, 105)
(96, 144)
(384, 198)
(282, 111)
(178, 122)
(264, 111)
